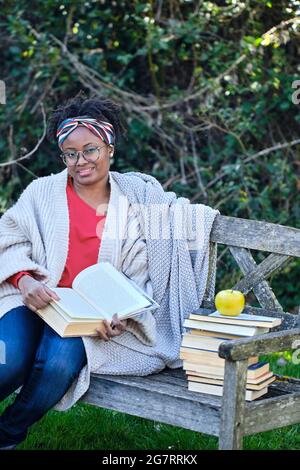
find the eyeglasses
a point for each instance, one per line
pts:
(91, 155)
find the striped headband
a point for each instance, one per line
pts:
(102, 129)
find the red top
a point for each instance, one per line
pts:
(84, 238)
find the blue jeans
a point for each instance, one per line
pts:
(42, 362)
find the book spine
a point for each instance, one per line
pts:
(220, 328)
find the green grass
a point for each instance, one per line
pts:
(85, 427)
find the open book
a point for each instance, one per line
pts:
(98, 292)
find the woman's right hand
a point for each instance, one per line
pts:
(35, 294)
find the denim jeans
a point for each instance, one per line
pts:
(42, 362)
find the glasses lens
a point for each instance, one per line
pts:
(91, 154)
(69, 158)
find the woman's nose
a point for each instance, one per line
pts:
(81, 158)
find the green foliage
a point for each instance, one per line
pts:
(204, 86)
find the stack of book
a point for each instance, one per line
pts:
(199, 351)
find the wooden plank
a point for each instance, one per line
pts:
(255, 279)
(160, 383)
(209, 293)
(289, 320)
(177, 372)
(255, 275)
(232, 422)
(165, 403)
(284, 384)
(256, 235)
(169, 378)
(272, 413)
(264, 344)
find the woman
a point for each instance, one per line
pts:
(58, 227)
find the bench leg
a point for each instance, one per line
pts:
(232, 419)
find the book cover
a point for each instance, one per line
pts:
(253, 381)
(211, 334)
(201, 342)
(206, 357)
(219, 381)
(218, 390)
(253, 372)
(243, 319)
(225, 328)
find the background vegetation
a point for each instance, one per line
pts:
(205, 89)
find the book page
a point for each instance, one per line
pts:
(74, 305)
(109, 291)
(245, 316)
(224, 328)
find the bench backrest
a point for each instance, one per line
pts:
(243, 235)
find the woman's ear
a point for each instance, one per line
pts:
(111, 154)
(111, 150)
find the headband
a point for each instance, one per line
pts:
(102, 129)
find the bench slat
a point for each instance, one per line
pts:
(271, 413)
(258, 345)
(256, 275)
(257, 235)
(156, 400)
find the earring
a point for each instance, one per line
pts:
(111, 158)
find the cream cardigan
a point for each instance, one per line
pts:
(34, 236)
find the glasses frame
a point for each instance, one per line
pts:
(78, 152)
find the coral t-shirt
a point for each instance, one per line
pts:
(84, 238)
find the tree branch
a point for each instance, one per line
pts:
(11, 162)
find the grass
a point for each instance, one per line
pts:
(85, 427)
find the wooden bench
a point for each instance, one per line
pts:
(164, 397)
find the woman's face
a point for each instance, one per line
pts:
(85, 172)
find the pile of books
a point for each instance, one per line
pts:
(199, 351)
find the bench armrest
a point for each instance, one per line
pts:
(242, 349)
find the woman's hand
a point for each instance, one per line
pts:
(35, 294)
(115, 328)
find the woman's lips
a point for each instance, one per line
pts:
(85, 172)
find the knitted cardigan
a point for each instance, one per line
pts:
(148, 234)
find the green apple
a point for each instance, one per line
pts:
(230, 302)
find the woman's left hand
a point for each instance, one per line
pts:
(110, 330)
